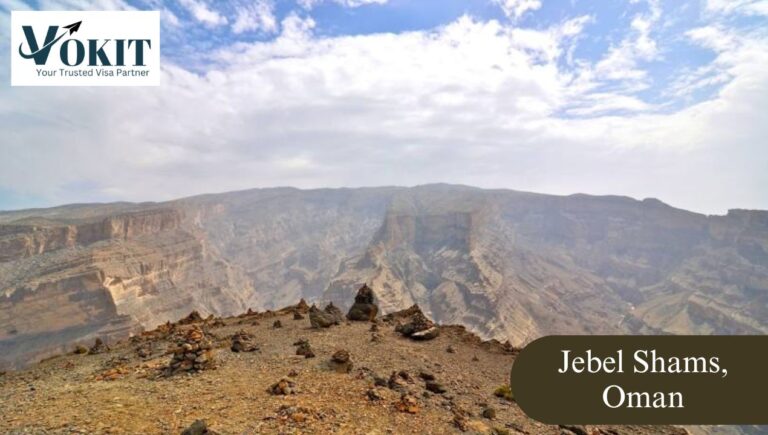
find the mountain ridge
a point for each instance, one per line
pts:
(506, 264)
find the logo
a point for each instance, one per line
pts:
(85, 48)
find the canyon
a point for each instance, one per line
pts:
(505, 264)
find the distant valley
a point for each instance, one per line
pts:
(507, 265)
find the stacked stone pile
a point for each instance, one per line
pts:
(192, 352)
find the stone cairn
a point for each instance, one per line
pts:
(243, 342)
(193, 317)
(300, 309)
(283, 387)
(192, 353)
(341, 362)
(364, 308)
(326, 317)
(303, 348)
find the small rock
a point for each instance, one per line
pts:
(277, 324)
(98, 347)
(199, 427)
(283, 387)
(397, 383)
(374, 395)
(489, 413)
(450, 349)
(426, 376)
(427, 334)
(407, 404)
(296, 414)
(435, 387)
(80, 350)
(379, 381)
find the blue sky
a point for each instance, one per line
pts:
(646, 98)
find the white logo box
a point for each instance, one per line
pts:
(114, 48)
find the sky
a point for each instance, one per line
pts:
(643, 98)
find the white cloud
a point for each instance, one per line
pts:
(309, 4)
(473, 102)
(622, 61)
(257, 16)
(712, 37)
(515, 9)
(743, 7)
(202, 13)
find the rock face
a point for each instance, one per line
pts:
(506, 264)
(364, 308)
(516, 266)
(65, 281)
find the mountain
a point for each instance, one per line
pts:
(454, 383)
(507, 265)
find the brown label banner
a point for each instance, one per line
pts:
(697, 380)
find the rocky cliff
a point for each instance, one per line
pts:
(68, 281)
(506, 264)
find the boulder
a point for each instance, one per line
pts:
(334, 312)
(324, 318)
(364, 308)
(417, 326)
(243, 342)
(427, 334)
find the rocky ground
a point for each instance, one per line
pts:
(243, 375)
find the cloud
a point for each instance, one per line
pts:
(515, 9)
(474, 101)
(256, 16)
(621, 61)
(309, 4)
(743, 7)
(203, 14)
